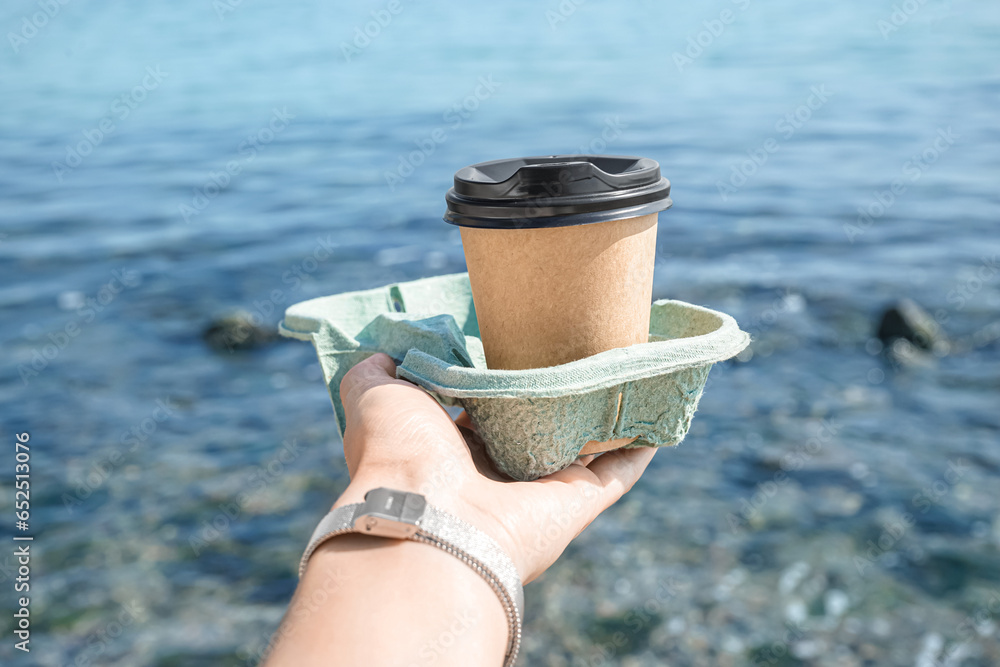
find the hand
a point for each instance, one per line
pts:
(399, 436)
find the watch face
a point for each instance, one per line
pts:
(390, 513)
(370, 524)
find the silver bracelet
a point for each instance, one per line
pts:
(401, 515)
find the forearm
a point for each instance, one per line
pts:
(373, 601)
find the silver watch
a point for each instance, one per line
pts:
(401, 515)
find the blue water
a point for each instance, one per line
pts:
(344, 154)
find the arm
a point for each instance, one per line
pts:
(372, 601)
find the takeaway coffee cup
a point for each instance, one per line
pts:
(560, 251)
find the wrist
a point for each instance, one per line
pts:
(440, 491)
(435, 606)
(403, 515)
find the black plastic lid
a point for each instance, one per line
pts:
(556, 191)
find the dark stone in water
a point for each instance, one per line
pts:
(775, 654)
(937, 519)
(761, 551)
(908, 321)
(625, 633)
(236, 332)
(945, 572)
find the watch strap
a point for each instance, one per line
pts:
(477, 545)
(449, 533)
(338, 521)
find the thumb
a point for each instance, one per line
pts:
(376, 370)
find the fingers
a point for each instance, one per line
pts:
(373, 371)
(617, 471)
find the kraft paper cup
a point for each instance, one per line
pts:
(560, 252)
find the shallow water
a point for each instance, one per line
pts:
(713, 558)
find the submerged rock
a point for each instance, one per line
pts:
(236, 331)
(626, 633)
(948, 571)
(906, 320)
